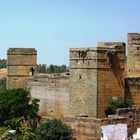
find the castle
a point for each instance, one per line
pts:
(96, 74)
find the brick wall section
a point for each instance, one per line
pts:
(133, 118)
(111, 64)
(19, 64)
(90, 128)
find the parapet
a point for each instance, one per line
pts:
(21, 51)
(119, 46)
(110, 44)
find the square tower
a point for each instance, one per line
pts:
(96, 74)
(83, 81)
(132, 81)
(21, 64)
(133, 58)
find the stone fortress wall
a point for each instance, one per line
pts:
(53, 92)
(96, 74)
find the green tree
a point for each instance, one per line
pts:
(42, 68)
(21, 130)
(3, 63)
(53, 130)
(15, 103)
(8, 136)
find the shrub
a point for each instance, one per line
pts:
(53, 130)
(113, 104)
(15, 103)
(17, 129)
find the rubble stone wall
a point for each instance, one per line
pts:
(53, 93)
(90, 128)
(133, 118)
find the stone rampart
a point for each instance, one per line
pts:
(53, 93)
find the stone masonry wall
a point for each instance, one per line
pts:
(83, 81)
(20, 61)
(53, 93)
(90, 128)
(96, 74)
(111, 64)
(133, 118)
(133, 58)
(132, 89)
(132, 86)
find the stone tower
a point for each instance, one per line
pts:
(132, 81)
(96, 74)
(83, 81)
(133, 59)
(21, 64)
(110, 73)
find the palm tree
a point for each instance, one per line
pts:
(8, 136)
(22, 130)
(26, 132)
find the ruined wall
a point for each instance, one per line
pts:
(90, 128)
(53, 93)
(83, 81)
(111, 64)
(21, 63)
(133, 118)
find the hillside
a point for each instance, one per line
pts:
(3, 73)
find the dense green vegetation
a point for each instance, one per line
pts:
(15, 104)
(3, 63)
(42, 68)
(113, 104)
(19, 120)
(53, 130)
(17, 129)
